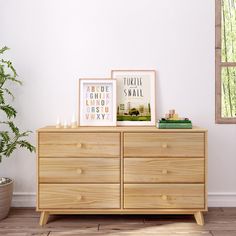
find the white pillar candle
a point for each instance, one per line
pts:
(73, 121)
(58, 124)
(65, 125)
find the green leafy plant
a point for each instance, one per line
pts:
(10, 135)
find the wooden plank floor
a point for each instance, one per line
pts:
(24, 222)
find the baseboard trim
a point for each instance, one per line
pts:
(20, 199)
(222, 199)
(214, 199)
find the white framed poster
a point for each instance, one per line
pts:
(97, 102)
(135, 97)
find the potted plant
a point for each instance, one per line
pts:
(10, 135)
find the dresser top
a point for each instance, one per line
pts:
(118, 129)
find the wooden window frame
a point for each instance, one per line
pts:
(218, 65)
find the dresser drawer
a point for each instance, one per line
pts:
(79, 170)
(182, 170)
(168, 196)
(164, 144)
(79, 196)
(79, 145)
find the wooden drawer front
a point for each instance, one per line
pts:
(79, 170)
(76, 196)
(164, 144)
(169, 196)
(79, 144)
(183, 170)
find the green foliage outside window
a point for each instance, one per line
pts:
(228, 55)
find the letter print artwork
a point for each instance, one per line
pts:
(97, 102)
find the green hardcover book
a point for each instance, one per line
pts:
(174, 125)
(175, 121)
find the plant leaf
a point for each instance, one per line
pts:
(9, 92)
(9, 110)
(9, 65)
(15, 80)
(10, 148)
(25, 134)
(1, 97)
(14, 129)
(27, 145)
(5, 136)
(2, 50)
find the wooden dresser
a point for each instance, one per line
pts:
(121, 170)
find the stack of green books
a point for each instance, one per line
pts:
(174, 124)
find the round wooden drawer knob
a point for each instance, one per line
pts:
(164, 145)
(79, 171)
(164, 172)
(79, 197)
(164, 197)
(80, 145)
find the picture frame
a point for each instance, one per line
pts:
(136, 97)
(97, 102)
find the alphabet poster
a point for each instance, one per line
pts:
(97, 101)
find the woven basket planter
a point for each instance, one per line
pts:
(6, 191)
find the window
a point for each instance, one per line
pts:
(225, 51)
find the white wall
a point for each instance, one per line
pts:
(55, 42)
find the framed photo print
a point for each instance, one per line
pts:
(97, 102)
(135, 97)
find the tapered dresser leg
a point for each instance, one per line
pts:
(43, 218)
(199, 218)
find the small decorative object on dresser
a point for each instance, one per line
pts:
(121, 170)
(58, 124)
(97, 102)
(173, 121)
(73, 121)
(135, 97)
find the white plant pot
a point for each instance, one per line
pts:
(6, 191)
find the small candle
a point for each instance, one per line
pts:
(73, 122)
(65, 124)
(58, 124)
